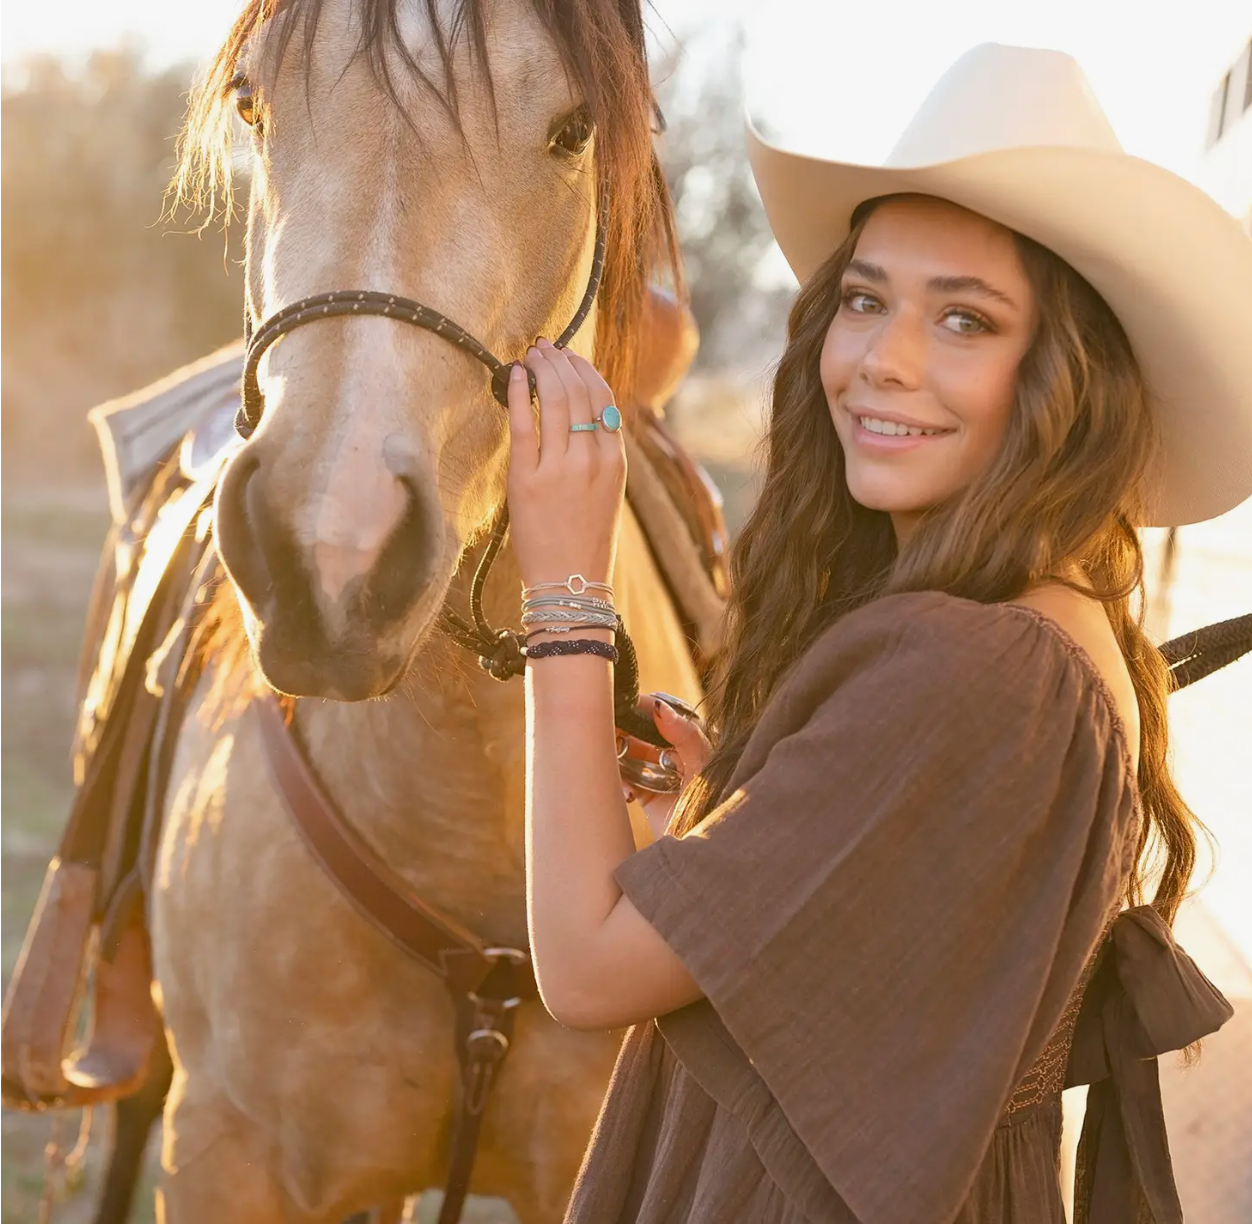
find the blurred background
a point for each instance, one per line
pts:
(100, 297)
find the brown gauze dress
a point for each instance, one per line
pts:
(905, 922)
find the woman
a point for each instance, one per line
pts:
(899, 906)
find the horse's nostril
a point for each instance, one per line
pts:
(257, 550)
(235, 532)
(404, 565)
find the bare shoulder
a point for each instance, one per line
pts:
(1087, 623)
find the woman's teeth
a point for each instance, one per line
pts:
(893, 430)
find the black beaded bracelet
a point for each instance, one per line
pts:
(587, 646)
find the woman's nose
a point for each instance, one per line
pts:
(896, 353)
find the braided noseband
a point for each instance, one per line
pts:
(406, 310)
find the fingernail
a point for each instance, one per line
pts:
(543, 343)
(517, 373)
(661, 708)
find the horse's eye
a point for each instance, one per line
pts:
(245, 104)
(575, 133)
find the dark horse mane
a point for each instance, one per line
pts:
(602, 47)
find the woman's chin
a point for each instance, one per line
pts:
(889, 500)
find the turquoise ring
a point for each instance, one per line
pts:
(611, 418)
(583, 427)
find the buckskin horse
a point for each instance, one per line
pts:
(493, 163)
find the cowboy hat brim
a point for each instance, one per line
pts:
(1173, 266)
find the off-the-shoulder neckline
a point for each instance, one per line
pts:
(1080, 656)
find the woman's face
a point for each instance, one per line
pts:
(920, 362)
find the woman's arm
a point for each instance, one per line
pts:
(599, 964)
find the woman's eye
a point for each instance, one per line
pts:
(860, 302)
(965, 323)
(575, 134)
(245, 103)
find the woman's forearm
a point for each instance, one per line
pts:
(577, 826)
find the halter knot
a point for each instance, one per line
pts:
(507, 659)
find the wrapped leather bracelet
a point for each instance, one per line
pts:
(579, 646)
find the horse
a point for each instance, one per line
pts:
(468, 154)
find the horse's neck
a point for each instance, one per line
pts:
(433, 775)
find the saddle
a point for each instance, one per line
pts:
(86, 960)
(86, 956)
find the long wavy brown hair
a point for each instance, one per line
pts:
(1064, 491)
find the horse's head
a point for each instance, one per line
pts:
(451, 153)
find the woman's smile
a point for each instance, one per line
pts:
(887, 433)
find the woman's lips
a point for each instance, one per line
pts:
(869, 440)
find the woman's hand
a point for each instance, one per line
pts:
(690, 752)
(565, 488)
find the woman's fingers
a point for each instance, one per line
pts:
(554, 419)
(580, 409)
(565, 491)
(687, 736)
(523, 440)
(600, 395)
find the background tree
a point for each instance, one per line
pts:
(99, 297)
(738, 298)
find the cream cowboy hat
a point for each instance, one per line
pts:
(1017, 135)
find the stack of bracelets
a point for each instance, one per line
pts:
(565, 607)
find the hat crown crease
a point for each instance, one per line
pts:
(996, 97)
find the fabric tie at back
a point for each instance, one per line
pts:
(1146, 997)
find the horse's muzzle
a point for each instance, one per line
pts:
(350, 647)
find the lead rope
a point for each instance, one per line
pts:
(1197, 654)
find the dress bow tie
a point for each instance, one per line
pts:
(1146, 997)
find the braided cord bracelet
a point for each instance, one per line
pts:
(534, 633)
(576, 646)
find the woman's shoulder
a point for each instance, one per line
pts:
(942, 629)
(1024, 654)
(1084, 629)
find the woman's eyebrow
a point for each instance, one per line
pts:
(970, 284)
(870, 271)
(939, 284)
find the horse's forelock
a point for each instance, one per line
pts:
(601, 44)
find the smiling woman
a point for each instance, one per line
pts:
(900, 904)
(936, 312)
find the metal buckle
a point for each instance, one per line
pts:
(514, 956)
(480, 1044)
